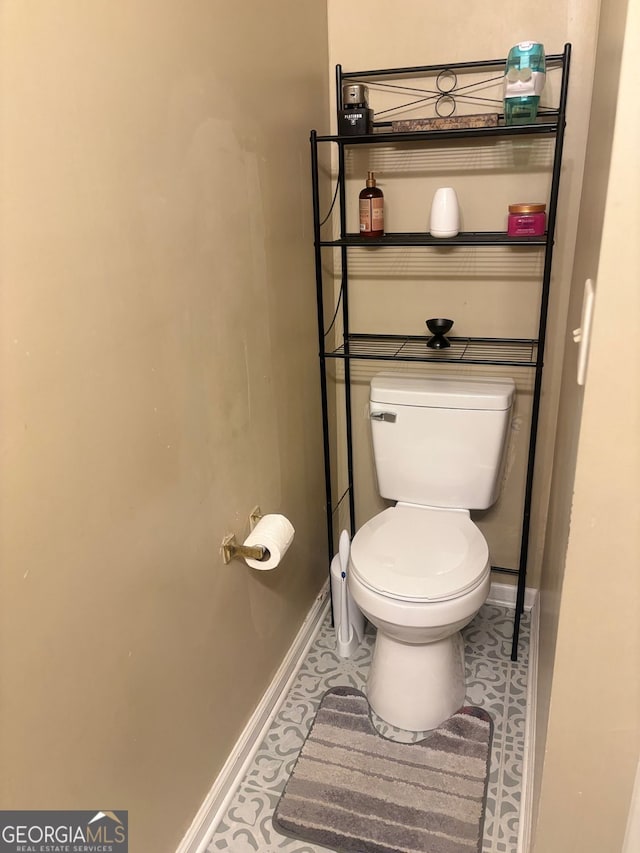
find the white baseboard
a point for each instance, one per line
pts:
(526, 798)
(504, 594)
(217, 800)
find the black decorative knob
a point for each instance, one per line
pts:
(438, 326)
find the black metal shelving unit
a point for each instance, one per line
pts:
(410, 348)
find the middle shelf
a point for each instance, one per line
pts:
(464, 238)
(519, 352)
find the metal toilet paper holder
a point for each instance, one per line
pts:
(232, 549)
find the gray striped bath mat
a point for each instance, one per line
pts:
(354, 791)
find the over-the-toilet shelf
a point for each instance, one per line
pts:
(526, 353)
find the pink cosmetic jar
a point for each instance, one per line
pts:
(527, 220)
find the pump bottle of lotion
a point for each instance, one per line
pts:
(371, 209)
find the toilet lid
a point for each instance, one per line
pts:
(420, 554)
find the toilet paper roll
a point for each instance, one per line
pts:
(274, 532)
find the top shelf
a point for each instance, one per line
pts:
(550, 121)
(385, 138)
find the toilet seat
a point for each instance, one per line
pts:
(420, 554)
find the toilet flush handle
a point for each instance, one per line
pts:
(383, 416)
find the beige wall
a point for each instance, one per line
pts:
(589, 697)
(488, 292)
(159, 379)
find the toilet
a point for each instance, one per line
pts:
(420, 570)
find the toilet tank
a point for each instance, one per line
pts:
(440, 440)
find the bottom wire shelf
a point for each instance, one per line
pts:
(510, 351)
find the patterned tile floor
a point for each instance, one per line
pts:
(493, 683)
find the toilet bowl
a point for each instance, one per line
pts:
(419, 574)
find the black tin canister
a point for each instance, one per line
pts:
(355, 117)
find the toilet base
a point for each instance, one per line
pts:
(416, 687)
